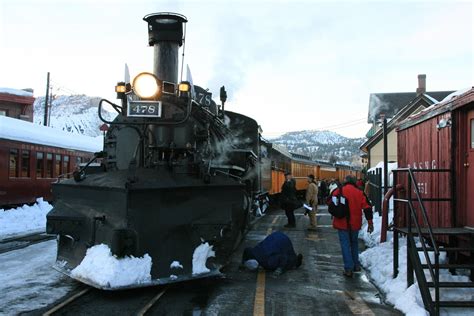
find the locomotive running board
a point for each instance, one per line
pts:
(156, 282)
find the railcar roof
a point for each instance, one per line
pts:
(19, 130)
(451, 102)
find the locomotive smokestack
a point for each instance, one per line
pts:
(165, 34)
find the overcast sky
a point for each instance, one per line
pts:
(290, 65)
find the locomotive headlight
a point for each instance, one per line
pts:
(146, 85)
(184, 87)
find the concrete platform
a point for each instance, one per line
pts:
(316, 288)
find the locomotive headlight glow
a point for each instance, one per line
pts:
(146, 85)
(184, 87)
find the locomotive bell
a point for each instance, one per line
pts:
(165, 34)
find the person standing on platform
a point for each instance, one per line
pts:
(323, 187)
(348, 227)
(289, 202)
(312, 201)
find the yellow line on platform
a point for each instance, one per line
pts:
(357, 305)
(275, 220)
(259, 301)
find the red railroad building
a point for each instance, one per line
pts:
(442, 137)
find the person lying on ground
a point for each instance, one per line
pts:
(274, 253)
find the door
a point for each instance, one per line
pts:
(469, 170)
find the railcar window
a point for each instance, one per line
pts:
(25, 163)
(472, 134)
(66, 164)
(57, 165)
(13, 163)
(39, 165)
(49, 166)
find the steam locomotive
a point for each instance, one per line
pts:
(178, 180)
(177, 172)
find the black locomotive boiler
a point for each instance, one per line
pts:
(177, 172)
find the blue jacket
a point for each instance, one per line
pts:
(275, 251)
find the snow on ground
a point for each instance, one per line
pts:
(27, 280)
(24, 219)
(200, 256)
(378, 262)
(104, 269)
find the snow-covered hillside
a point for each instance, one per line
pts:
(325, 145)
(75, 113)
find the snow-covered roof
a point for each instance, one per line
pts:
(18, 130)
(431, 98)
(455, 94)
(18, 92)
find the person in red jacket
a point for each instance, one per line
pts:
(348, 228)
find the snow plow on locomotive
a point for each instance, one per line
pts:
(176, 182)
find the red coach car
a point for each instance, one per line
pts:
(33, 156)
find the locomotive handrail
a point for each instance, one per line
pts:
(115, 106)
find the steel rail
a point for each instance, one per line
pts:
(66, 302)
(152, 302)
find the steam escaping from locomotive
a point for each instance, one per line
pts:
(176, 181)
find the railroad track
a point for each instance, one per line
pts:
(140, 311)
(14, 243)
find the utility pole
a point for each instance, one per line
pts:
(46, 100)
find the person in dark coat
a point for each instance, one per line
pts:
(323, 188)
(289, 202)
(274, 253)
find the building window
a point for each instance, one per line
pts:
(25, 163)
(57, 165)
(13, 163)
(39, 165)
(3, 113)
(66, 164)
(49, 165)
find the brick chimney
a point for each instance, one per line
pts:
(421, 85)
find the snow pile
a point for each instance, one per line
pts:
(176, 265)
(19, 130)
(24, 219)
(21, 93)
(378, 261)
(200, 256)
(373, 239)
(104, 269)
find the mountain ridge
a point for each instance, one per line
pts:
(322, 145)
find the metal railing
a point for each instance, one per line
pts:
(413, 260)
